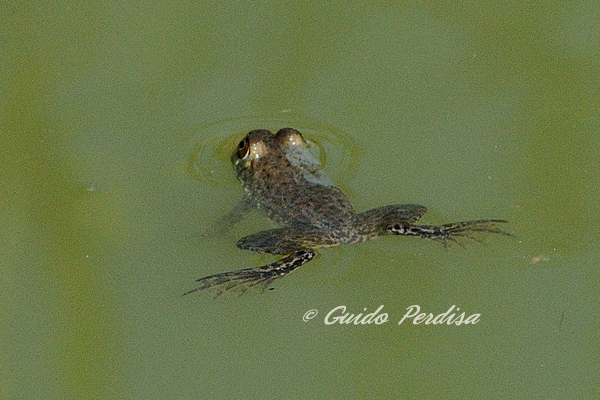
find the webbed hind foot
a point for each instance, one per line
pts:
(451, 232)
(245, 279)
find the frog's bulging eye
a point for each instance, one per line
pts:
(243, 148)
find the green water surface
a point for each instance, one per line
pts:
(473, 109)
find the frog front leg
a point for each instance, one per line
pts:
(227, 221)
(281, 241)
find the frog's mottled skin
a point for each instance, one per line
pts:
(282, 179)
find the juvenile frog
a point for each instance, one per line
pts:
(283, 179)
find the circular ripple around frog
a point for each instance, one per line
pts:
(210, 162)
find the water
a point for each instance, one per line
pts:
(474, 111)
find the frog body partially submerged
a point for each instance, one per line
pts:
(283, 179)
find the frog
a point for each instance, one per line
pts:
(283, 179)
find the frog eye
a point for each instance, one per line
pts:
(243, 148)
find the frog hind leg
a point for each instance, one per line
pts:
(287, 240)
(452, 232)
(283, 241)
(245, 279)
(376, 222)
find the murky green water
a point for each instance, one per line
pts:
(473, 110)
